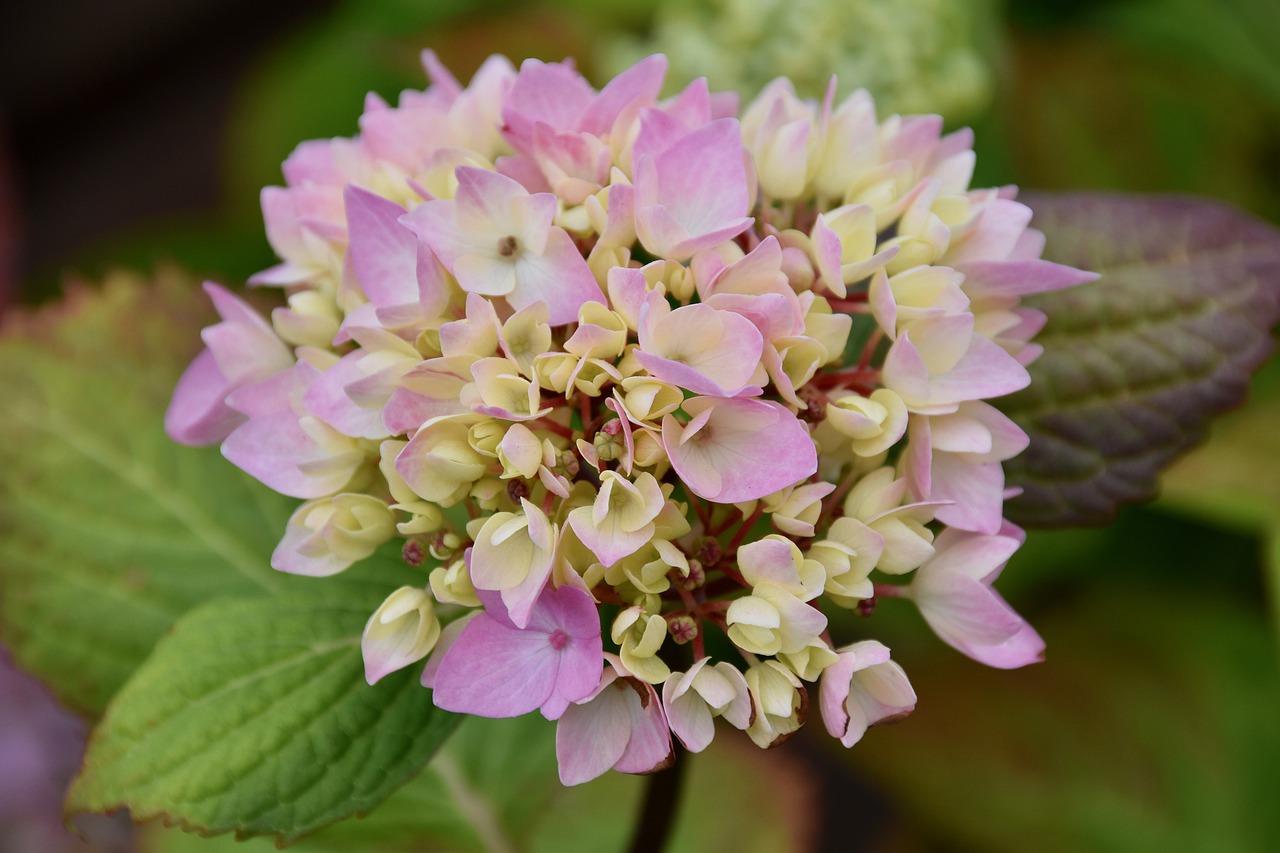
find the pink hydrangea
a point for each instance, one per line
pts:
(589, 352)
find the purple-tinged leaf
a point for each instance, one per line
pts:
(1136, 364)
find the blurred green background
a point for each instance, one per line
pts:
(141, 136)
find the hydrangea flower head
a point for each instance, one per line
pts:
(624, 372)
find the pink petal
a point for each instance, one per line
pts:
(722, 370)
(995, 236)
(495, 671)
(649, 747)
(552, 93)
(560, 278)
(574, 612)
(327, 399)
(591, 738)
(1019, 277)
(752, 448)
(638, 85)
(272, 445)
(974, 490)
(197, 414)
(693, 195)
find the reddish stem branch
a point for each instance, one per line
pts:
(747, 524)
(552, 426)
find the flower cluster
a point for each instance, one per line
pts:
(636, 379)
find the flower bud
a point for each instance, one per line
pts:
(693, 699)
(861, 688)
(311, 320)
(452, 585)
(601, 333)
(648, 399)
(673, 277)
(795, 510)
(649, 450)
(403, 630)
(683, 628)
(485, 435)
(609, 446)
(780, 701)
(439, 464)
(874, 424)
(809, 662)
(640, 634)
(554, 371)
(327, 535)
(520, 452)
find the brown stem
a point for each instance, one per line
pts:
(661, 801)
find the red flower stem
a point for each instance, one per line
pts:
(606, 594)
(747, 524)
(858, 377)
(588, 422)
(686, 596)
(552, 426)
(833, 500)
(722, 525)
(700, 510)
(870, 348)
(850, 306)
(890, 590)
(720, 586)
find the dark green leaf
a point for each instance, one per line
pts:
(1137, 363)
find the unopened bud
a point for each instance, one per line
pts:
(609, 446)
(517, 489)
(569, 462)
(815, 405)
(649, 451)
(708, 551)
(867, 606)
(682, 628)
(414, 552)
(485, 436)
(696, 578)
(443, 545)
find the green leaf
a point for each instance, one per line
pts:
(485, 790)
(492, 788)
(1151, 727)
(254, 717)
(108, 530)
(1136, 364)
